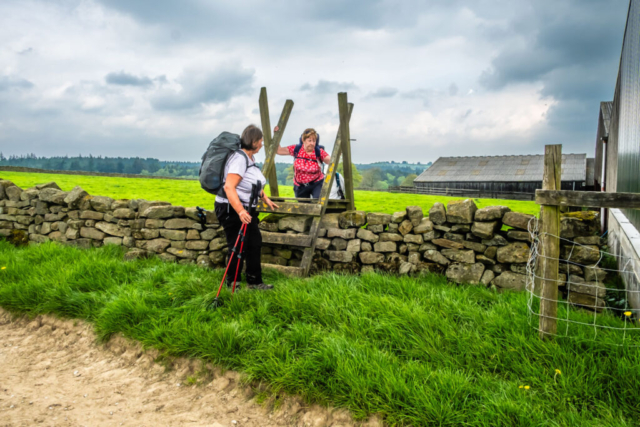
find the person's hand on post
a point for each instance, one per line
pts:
(270, 203)
(276, 129)
(245, 217)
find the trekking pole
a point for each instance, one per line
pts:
(255, 192)
(216, 302)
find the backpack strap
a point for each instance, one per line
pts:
(221, 192)
(340, 190)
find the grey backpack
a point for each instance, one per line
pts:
(215, 158)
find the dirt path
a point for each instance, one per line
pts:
(52, 373)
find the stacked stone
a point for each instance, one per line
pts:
(46, 213)
(582, 285)
(465, 243)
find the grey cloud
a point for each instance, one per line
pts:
(425, 95)
(124, 79)
(204, 88)
(453, 89)
(384, 92)
(324, 87)
(573, 49)
(9, 83)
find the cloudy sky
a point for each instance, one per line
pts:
(428, 79)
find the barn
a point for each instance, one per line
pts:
(502, 177)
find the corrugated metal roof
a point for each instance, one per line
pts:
(606, 108)
(501, 169)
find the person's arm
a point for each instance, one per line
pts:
(234, 200)
(283, 151)
(326, 159)
(268, 201)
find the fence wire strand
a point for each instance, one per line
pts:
(622, 324)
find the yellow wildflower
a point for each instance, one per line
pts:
(558, 372)
(3, 268)
(521, 386)
(527, 387)
(628, 313)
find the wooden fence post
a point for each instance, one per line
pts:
(550, 229)
(343, 108)
(266, 131)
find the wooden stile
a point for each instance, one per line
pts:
(315, 208)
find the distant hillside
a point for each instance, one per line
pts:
(379, 175)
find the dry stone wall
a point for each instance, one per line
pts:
(465, 243)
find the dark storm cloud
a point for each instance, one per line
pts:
(573, 49)
(124, 79)
(204, 87)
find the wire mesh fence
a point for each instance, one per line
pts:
(592, 302)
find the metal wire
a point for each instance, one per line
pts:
(533, 276)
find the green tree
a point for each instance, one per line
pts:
(408, 181)
(355, 174)
(370, 177)
(288, 172)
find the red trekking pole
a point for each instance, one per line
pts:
(255, 192)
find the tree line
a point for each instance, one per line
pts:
(377, 176)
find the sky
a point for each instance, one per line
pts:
(428, 79)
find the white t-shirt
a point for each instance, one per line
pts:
(237, 164)
(334, 188)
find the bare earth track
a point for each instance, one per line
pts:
(52, 373)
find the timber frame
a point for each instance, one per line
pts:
(311, 207)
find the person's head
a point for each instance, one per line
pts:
(251, 139)
(309, 138)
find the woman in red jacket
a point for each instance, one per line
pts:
(307, 166)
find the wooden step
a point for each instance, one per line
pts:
(303, 240)
(289, 271)
(289, 208)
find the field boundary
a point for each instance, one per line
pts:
(85, 173)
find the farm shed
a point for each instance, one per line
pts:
(504, 177)
(618, 148)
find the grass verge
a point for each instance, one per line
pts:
(417, 351)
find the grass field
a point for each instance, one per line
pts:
(417, 351)
(189, 193)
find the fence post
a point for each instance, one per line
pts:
(550, 229)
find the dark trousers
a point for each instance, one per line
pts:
(311, 190)
(231, 223)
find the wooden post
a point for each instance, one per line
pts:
(270, 153)
(550, 229)
(266, 131)
(346, 148)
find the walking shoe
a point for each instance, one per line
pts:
(260, 286)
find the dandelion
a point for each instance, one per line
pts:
(558, 372)
(521, 386)
(527, 387)
(3, 268)
(628, 313)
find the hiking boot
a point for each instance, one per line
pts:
(261, 287)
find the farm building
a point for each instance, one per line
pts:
(503, 177)
(618, 154)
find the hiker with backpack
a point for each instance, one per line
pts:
(229, 171)
(308, 157)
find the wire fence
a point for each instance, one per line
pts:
(592, 302)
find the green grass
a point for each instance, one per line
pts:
(189, 193)
(417, 351)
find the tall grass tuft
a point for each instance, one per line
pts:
(417, 351)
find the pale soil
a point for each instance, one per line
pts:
(53, 373)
